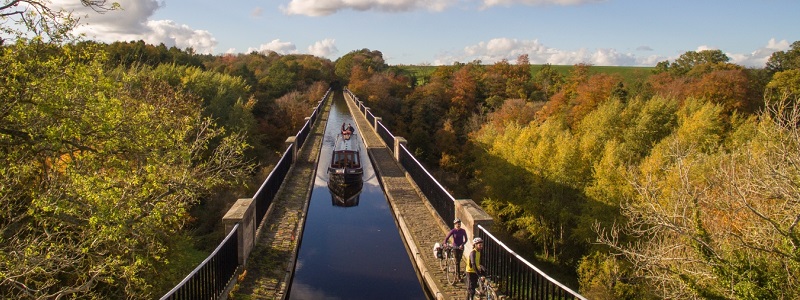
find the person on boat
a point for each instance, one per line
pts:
(459, 239)
(346, 131)
(350, 128)
(475, 267)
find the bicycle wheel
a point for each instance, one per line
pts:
(480, 290)
(490, 295)
(452, 269)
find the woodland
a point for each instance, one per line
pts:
(118, 160)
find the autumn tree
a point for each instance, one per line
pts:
(364, 58)
(597, 89)
(712, 221)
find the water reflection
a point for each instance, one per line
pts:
(352, 253)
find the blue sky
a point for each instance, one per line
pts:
(560, 32)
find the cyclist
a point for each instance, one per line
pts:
(475, 267)
(459, 239)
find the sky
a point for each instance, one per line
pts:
(442, 32)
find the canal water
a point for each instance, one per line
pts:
(351, 251)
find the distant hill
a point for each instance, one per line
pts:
(629, 74)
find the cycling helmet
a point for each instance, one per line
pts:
(457, 220)
(477, 240)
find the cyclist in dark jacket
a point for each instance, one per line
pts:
(459, 239)
(475, 266)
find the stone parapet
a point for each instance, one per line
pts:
(243, 213)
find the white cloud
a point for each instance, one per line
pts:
(317, 8)
(759, 57)
(755, 59)
(131, 19)
(705, 47)
(490, 3)
(324, 48)
(509, 49)
(131, 23)
(275, 46)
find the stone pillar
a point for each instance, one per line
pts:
(290, 143)
(377, 119)
(471, 216)
(242, 212)
(399, 140)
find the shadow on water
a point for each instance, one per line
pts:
(351, 251)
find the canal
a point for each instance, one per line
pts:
(351, 251)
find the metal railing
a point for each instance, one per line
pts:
(385, 135)
(518, 278)
(370, 118)
(437, 195)
(211, 277)
(266, 193)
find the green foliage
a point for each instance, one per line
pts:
(98, 173)
(138, 52)
(363, 59)
(786, 85)
(692, 60)
(785, 60)
(647, 122)
(604, 276)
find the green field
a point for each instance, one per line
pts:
(629, 74)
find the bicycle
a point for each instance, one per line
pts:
(486, 289)
(448, 264)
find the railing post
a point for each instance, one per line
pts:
(377, 119)
(471, 216)
(244, 213)
(290, 143)
(399, 140)
(366, 110)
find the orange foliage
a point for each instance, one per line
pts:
(553, 107)
(359, 80)
(725, 87)
(513, 110)
(596, 90)
(668, 86)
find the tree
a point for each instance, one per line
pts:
(597, 89)
(785, 60)
(711, 222)
(785, 85)
(693, 59)
(98, 174)
(548, 80)
(728, 88)
(363, 58)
